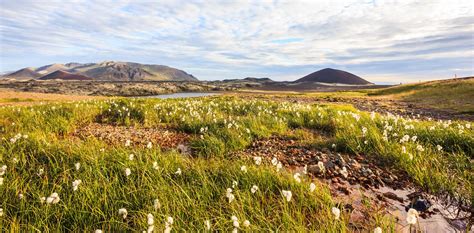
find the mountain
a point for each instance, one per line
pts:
(115, 71)
(23, 74)
(63, 75)
(329, 75)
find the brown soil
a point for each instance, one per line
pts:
(138, 136)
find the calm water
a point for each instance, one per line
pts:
(183, 95)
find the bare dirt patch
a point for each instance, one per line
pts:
(138, 136)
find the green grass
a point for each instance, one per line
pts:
(454, 94)
(218, 126)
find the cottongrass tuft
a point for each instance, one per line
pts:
(75, 184)
(53, 198)
(312, 187)
(254, 189)
(336, 212)
(287, 195)
(412, 216)
(127, 171)
(123, 212)
(378, 230)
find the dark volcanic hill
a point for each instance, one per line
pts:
(63, 75)
(329, 75)
(113, 71)
(23, 74)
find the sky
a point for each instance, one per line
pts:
(381, 41)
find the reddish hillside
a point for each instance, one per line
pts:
(25, 73)
(333, 76)
(64, 76)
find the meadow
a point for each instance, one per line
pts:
(52, 180)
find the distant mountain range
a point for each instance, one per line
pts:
(108, 70)
(333, 76)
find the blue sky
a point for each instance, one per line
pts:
(382, 41)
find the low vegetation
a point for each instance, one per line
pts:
(53, 181)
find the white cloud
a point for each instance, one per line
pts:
(240, 34)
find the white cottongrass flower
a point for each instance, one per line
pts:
(378, 230)
(15, 160)
(178, 172)
(1, 212)
(1, 181)
(439, 147)
(258, 160)
(149, 145)
(279, 166)
(412, 216)
(234, 183)
(287, 195)
(42, 199)
(20, 196)
(414, 138)
(40, 172)
(98, 231)
(156, 204)
(246, 223)
(312, 187)
(296, 176)
(207, 224)
(274, 161)
(78, 166)
(254, 189)
(53, 198)
(168, 224)
(75, 184)
(127, 143)
(243, 168)
(229, 195)
(131, 156)
(321, 166)
(123, 212)
(420, 148)
(336, 211)
(155, 165)
(468, 125)
(235, 222)
(128, 171)
(344, 172)
(404, 149)
(150, 220)
(3, 170)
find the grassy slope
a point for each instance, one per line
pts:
(198, 194)
(454, 94)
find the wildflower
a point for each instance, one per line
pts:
(40, 172)
(3, 170)
(235, 222)
(378, 230)
(1, 181)
(1, 212)
(98, 231)
(279, 166)
(274, 161)
(364, 131)
(243, 168)
(123, 212)
(336, 211)
(344, 172)
(131, 156)
(150, 220)
(234, 183)
(155, 165)
(149, 145)
(229, 195)
(156, 204)
(366, 142)
(178, 172)
(127, 171)
(333, 146)
(53, 198)
(296, 176)
(287, 194)
(78, 166)
(254, 189)
(207, 223)
(439, 147)
(404, 149)
(321, 166)
(412, 216)
(20, 196)
(414, 138)
(410, 156)
(258, 160)
(127, 143)
(312, 187)
(246, 223)
(42, 199)
(420, 148)
(168, 224)
(468, 125)
(75, 184)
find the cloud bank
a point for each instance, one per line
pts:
(382, 41)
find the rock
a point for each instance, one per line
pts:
(393, 196)
(419, 204)
(315, 170)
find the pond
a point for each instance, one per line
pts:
(184, 95)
